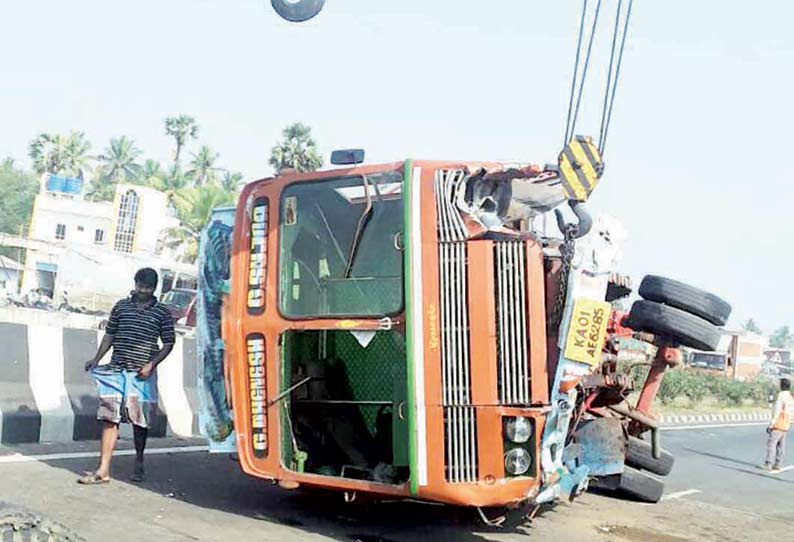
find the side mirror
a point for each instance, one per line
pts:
(297, 11)
(347, 157)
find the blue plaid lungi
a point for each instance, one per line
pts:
(123, 397)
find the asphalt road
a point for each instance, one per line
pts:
(194, 496)
(722, 465)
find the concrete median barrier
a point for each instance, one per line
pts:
(46, 395)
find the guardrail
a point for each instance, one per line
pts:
(46, 396)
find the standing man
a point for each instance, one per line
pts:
(782, 416)
(127, 386)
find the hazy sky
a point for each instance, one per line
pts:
(699, 162)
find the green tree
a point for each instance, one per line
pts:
(18, 190)
(296, 150)
(171, 182)
(751, 326)
(61, 155)
(231, 181)
(202, 167)
(182, 128)
(781, 338)
(150, 174)
(117, 164)
(194, 209)
(119, 161)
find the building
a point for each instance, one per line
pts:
(90, 250)
(740, 355)
(10, 272)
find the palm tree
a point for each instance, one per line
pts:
(60, 155)
(170, 182)
(231, 181)
(202, 167)
(194, 209)
(78, 161)
(297, 150)
(150, 173)
(117, 164)
(119, 160)
(100, 189)
(182, 129)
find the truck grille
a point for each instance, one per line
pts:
(460, 430)
(511, 314)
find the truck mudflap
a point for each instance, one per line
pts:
(595, 257)
(215, 415)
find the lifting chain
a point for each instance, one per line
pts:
(567, 249)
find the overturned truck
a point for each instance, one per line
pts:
(411, 330)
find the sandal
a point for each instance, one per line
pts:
(93, 479)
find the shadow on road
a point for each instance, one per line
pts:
(718, 456)
(760, 473)
(215, 482)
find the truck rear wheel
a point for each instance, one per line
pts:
(639, 455)
(16, 524)
(640, 485)
(666, 321)
(708, 306)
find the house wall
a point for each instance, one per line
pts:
(95, 275)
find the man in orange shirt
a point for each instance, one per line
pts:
(782, 415)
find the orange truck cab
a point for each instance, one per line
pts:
(387, 331)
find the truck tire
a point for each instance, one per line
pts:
(18, 524)
(687, 329)
(708, 306)
(639, 456)
(641, 486)
(297, 11)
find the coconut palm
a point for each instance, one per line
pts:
(117, 164)
(297, 150)
(182, 129)
(150, 173)
(202, 167)
(171, 182)
(194, 209)
(118, 161)
(61, 155)
(231, 181)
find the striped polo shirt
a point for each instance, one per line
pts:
(136, 329)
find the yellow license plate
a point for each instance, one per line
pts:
(587, 331)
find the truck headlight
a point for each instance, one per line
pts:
(517, 461)
(518, 430)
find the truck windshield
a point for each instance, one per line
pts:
(317, 225)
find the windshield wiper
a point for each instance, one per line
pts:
(363, 220)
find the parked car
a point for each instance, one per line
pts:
(178, 301)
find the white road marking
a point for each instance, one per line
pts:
(20, 458)
(713, 426)
(679, 494)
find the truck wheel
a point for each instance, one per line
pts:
(639, 455)
(687, 298)
(28, 526)
(297, 11)
(687, 329)
(641, 486)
